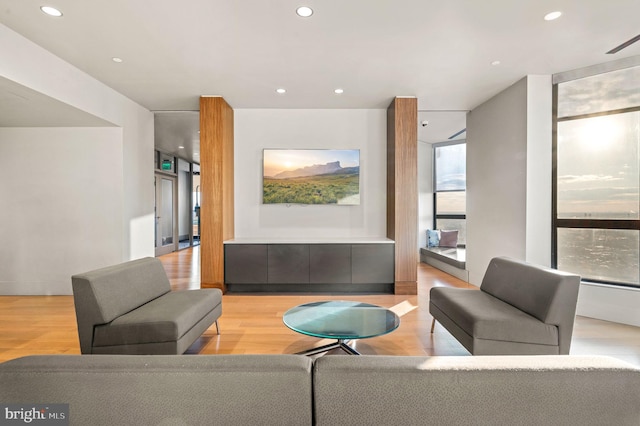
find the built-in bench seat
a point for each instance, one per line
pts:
(451, 260)
(454, 256)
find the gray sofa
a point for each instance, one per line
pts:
(296, 390)
(129, 308)
(521, 309)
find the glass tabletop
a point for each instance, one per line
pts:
(341, 319)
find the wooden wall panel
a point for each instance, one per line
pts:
(216, 184)
(402, 190)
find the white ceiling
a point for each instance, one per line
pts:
(439, 51)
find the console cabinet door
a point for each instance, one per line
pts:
(372, 263)
(288, 263)
(245, 263)
(330, 263)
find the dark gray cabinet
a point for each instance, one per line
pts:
(288, 263)
(338, 267)
(330, 263)
(245, 263)
(372, 263)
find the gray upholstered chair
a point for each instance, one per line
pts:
(521, 309)
(129, 308)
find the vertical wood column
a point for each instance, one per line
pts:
(402, 190)
(216, 184)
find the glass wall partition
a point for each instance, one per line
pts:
(195, 185)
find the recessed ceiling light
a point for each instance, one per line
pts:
(304, 11)
(181, 147)
(281, 91)
(116, 59)
(338, 91)
(495, 63)
(51, 11)
(551, 16)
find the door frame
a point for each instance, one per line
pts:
(171, 247)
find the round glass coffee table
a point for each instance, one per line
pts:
(341, 320)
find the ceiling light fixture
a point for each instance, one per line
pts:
(338, 91)
(304, 11)
(552, 16)
(116, 59)
(51, 11)
(281, 91)
(495, 63)
(181, 147)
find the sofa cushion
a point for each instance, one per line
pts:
(485, 317)
(448, 238)
(164, 319)
(433, 238)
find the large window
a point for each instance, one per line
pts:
(596, 177)
(450, 163)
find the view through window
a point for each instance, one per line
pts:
(596, 177)
(450, 163)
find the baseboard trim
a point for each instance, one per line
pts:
(406, 287)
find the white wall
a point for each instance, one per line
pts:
(29, 65)
(138, 180)
(539, 169)
(425, 191)
(610, 303)
(60, 204)
(256, 129)
(508, 176)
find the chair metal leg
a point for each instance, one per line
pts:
(433, 324)
(217, 328)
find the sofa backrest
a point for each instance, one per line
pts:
(475, 390)
(102, 295)
(165, 389)
(330, 390)
(547, 294)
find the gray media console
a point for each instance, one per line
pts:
(352, 268)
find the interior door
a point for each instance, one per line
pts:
(166, 218)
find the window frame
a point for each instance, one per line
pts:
(579, 223)
(437, 216)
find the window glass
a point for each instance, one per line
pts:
(597, 146)
(598, 167)
(603, 92)
(600, 254)
(450, 167)
(451, 202)
(450, 161)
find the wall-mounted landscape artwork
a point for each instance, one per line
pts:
(311, 176)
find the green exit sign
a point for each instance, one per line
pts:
(166, 165)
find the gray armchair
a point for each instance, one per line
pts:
(521, 309)
(129, 308)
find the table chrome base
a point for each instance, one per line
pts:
(339, 344)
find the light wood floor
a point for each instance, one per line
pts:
(253, 323)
